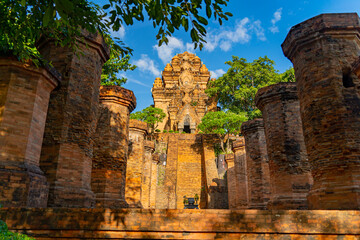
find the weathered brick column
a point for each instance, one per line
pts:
(356, 67)
(111, 146)
(137, 132)
(290, 177)
(322, 50)
(67, 150)
(257, 163)
(153, 181)
(24, 97)
(149, 147)
(240, 174)
(217, 195)
(231, 180)
(168, 189)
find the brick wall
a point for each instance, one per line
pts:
(161, 188)
(190, 177)
(111, 146)
(231, 180)
(240, 174)
(155, 161)
(290, 177)
(67, 150)
(162, 193)
(323, 50)
(24, 98)
(257, 163)
(171, 172)
(149, 147)
(134, 170)
(182, 224)
(190, 169)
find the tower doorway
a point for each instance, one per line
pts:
(187, 128)
(187, 121)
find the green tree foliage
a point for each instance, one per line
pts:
(151, 115)
(22, 22)
(169, 15)
(237, 88)
(288, 75)
(5, 234)
(115, 65)
(223, 124)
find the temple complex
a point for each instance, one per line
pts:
(74, 166)
(180, 93)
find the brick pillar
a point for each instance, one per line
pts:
(290, 177)
(153, 179)
(137, 132)
(356, 67)
(172, 117)
(231, 180)
(216, 187)
(322, 50)
(67, 150)
(240, 174)
(149, 147)
(24, 97)
(111, 146)
(171, 170)
(257, 163)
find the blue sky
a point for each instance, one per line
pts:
(257, 29)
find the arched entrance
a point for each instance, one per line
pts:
(187, 124)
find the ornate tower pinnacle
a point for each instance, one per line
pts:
(180, 93)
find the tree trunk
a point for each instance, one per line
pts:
(222, 144)
(228, 148)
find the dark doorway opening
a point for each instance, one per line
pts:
(347, 80)
(187, 129)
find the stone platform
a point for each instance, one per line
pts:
(81, 223)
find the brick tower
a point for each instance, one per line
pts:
(323, 50)
(290, 177)
(67, 149)
(180, 93)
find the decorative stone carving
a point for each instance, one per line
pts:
(180, 93)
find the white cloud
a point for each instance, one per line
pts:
(274, 29)
(225, 45)
(166, 52)
(190, 47)
(259, 31)
(122, 74)
(217, 73)
(276, 18)
(145, 64)
(138, 82)
(240, 34)
(120, 33)
(210, 44)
